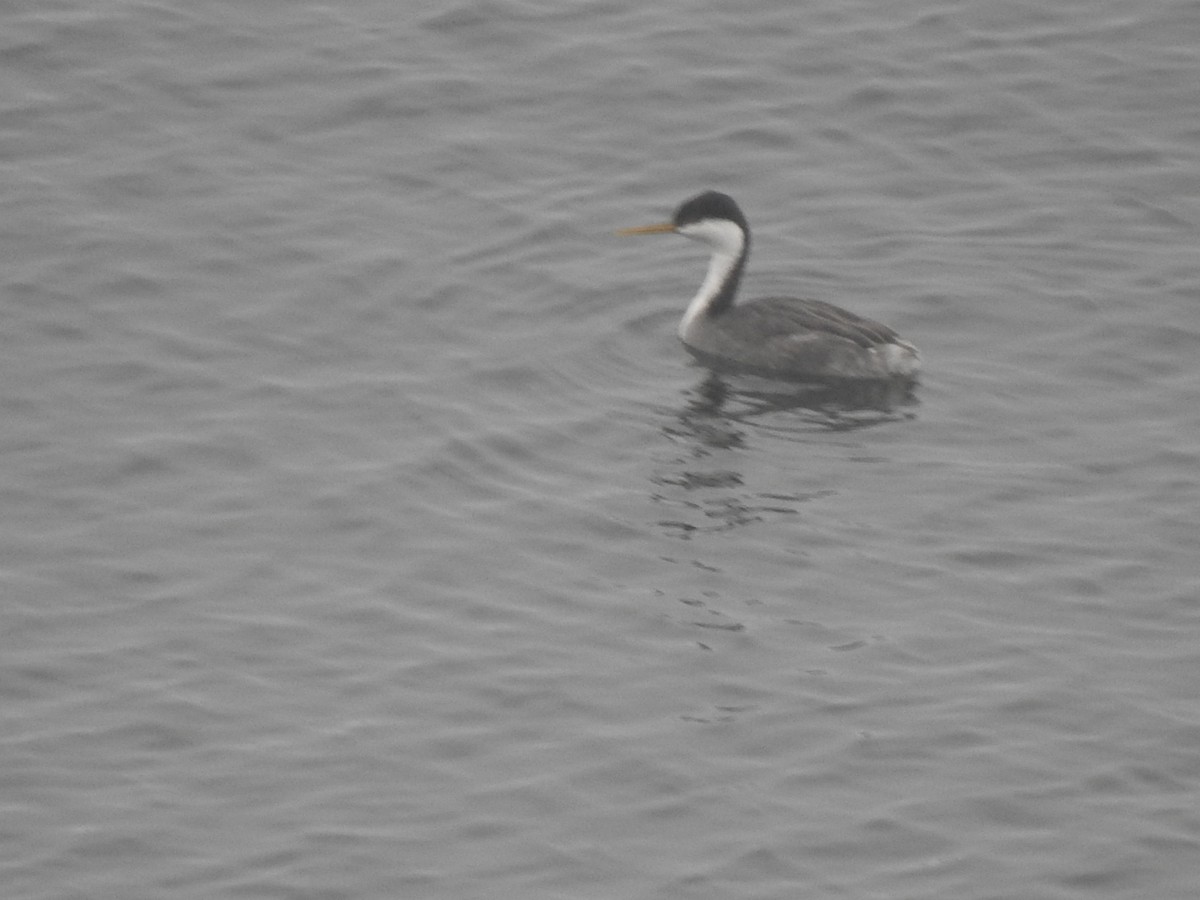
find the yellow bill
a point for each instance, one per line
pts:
(659, 228)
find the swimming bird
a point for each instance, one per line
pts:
(779, 337)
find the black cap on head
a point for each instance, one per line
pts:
(709, 205)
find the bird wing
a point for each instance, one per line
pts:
(778, 317)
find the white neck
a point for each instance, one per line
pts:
(727, 242)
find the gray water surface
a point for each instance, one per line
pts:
(366, 532)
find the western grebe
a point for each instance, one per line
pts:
(780, 337)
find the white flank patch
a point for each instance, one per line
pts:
(901, 359)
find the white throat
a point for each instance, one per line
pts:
(727, 241)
